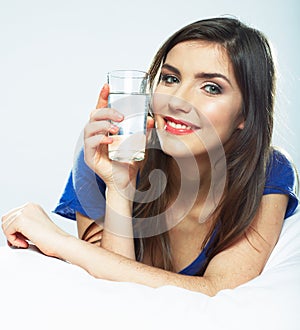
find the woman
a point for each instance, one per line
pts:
(214, 86)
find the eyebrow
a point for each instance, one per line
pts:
(212, 75)
(171, 68)
(204, 75)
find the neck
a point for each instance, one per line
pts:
(200, 185)
(192, 172)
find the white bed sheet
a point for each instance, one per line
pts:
(38, 292)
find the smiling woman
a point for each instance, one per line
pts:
(212, 193)
(197, 90)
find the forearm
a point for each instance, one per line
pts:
(118, 232)
(108, 265)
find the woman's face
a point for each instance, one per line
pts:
(197, 102)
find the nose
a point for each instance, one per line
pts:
(179, 101)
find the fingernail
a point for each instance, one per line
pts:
(113, 127)
(120, 116)
(104, 89)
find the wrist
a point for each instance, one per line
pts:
(120, 196)
(118, 214)
(59, 247)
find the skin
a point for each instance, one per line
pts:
(190, 96)
(185, 93)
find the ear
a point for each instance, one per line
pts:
(240, 121)
(241, 125)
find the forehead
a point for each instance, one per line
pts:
(200, 55)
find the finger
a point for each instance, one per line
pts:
(13, 236)
(17, 240)
(12, 211)
(98, 128)
(20, 241)
(96, 147)
(96, 140)
(103, 97)
(94, 152)
(150, 122)
(150, 126)
(8, 219)
(106, 114)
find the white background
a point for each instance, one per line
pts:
(54, 55)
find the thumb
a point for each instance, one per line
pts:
(103, 97)
(150, 122)
(150, 126)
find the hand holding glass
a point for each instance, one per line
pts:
(129, 95)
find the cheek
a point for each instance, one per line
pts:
(223, 120)
(158, 102)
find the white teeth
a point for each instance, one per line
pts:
(178, 126)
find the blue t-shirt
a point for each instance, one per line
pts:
(85, 193)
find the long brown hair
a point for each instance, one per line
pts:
(247, 152)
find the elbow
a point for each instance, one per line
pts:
(215, 284)
(212, 288)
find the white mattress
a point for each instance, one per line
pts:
(38, 292)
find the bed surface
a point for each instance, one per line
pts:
(39, 292)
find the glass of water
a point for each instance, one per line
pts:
(129, 94)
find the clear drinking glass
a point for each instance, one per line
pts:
(129, 94)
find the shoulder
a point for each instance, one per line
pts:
(83, 193)
(280, 170)
(282, 178)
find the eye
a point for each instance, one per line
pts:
(169, 79)
(213, 89)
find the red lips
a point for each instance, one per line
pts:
(178, 127)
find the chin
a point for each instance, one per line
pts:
(176, 146)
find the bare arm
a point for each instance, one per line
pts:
(247, 258)
(116, 235)
(118, 232)
(120, 178)
(88, 230)
(230, 268)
